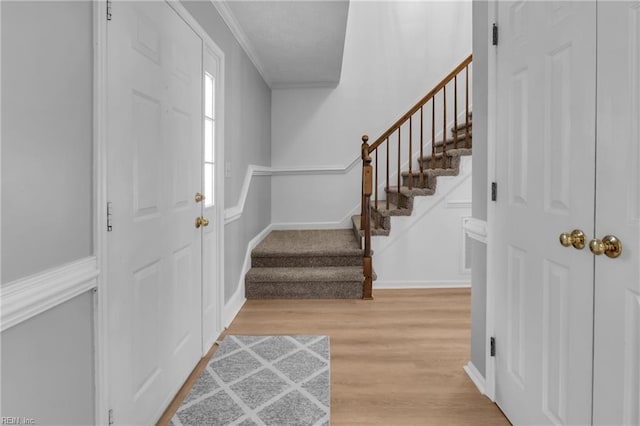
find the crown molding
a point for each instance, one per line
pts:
(231, 21)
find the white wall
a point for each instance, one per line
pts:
(47, 75)
(47, 126)
(426, 249)
(395, 52)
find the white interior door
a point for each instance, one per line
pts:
(617, 289)
(154, 255)
(545, 159)
(212, 277)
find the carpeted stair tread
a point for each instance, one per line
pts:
(313, 274)
(306, 264)
(462, 126)
(450, 153)
(308, 243)
(404, 190)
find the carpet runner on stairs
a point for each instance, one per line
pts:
(306, 264)
(401, 200)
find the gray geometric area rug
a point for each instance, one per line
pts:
(262, 380)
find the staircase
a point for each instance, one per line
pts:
(309, 264)
(401, 201)
(337, 263)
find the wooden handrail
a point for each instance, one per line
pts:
(421, 103)
(370, 171)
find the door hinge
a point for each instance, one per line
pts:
(108, 10)
(494, 33)
(110, 416)
(494, 191)
(492, 343)
(109, 214)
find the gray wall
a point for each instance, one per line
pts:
(47, 54)
(47, 83)
(479, 195)
(47, 369)
(247, 139)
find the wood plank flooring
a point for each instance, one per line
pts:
(395, 360)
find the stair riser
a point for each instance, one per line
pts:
(450, 145)
(418, 182)
(461, 129)
(430, 181)
(304, 290)
(400, 200)
(450, 163)
(375, 232)
(380, 221)
(304, 261)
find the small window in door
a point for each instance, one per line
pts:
(209, 139)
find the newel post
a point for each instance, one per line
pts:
(365, 217)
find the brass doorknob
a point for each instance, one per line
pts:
(609, 245)
(576, 239)
(201, 221)
(199, 197)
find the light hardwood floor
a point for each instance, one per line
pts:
(395, 360)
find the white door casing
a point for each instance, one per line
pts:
(545, 157)
(617, 283)
(154, 251)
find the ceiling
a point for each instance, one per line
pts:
(292, 43)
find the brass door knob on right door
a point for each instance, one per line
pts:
(610, 246)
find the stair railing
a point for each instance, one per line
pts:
(370, 172)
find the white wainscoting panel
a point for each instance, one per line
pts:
(233, 306)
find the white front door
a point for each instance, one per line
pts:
(617, 286)
(154, 169)
(545, 159)
(212, 278)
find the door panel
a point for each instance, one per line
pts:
(545, 167)
(154, 250)
(617, 288)
(212, 278)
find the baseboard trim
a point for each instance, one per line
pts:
(27, 297)
(381, 285)
(237, 300)
(475, 377)
(309, 225)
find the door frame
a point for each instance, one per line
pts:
(210, 48)
(100, 179)
(493, 261)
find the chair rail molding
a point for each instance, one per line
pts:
(234, 213)
(476, 229)
(27, 297)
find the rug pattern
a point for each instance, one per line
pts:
(262, 380)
